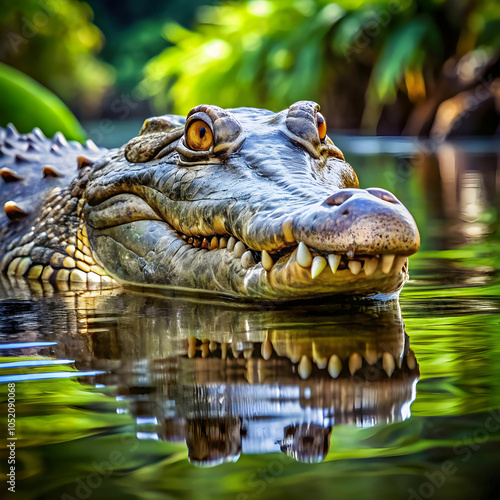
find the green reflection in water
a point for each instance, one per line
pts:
(78, 441)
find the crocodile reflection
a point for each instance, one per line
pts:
(284, 393)
(231, 380)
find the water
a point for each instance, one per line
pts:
(121, 394)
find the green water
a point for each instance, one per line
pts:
(119, 394)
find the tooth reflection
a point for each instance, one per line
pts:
(230, 379)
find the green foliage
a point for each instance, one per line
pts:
(54, 42)
(269, 53)
(250, 54)
(27, 104)
(133, 32)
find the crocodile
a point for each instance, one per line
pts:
(244, 203)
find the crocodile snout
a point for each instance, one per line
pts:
(363, 221)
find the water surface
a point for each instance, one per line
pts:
(122, 394)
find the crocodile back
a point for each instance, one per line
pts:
(32, 165)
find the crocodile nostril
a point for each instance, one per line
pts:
(383, 195)
(338, 198)
(345, 212)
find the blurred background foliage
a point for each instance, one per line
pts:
(383, 66)
(55, 42)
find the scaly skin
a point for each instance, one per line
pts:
(265, 209)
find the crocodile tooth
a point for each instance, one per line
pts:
(247, 260)
(214, 243)
(190, 241)
(305, 367)
(317, 266)
(287, 231)
(196, 242)
(355, 363)
(267, 261)
(223, 242)
(231, 243)
(266, 349)
(334, 261)
(212, 346)
(354, 266)
(223, 350)
(204, 243)
(388, 363)
(204, 348)
(83, 162)
(303, 257)
(8, 175)
(14, 211)
(411, 361)
(191, 350)
(399, 262)
(50, 171)
(350, 253)
(370, 266)
(321, 361)
(387, 260)
(247, 353)
(239, 249)
(371, 356)
(334, 366)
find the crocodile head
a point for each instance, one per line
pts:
(246, 203)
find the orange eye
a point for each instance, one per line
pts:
(321, 126)
(199, 136)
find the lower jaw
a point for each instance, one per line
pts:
(290, 281)
(173, 264)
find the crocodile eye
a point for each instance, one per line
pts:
(199, 136)
(320, 120)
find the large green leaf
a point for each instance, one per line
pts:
(27, 104)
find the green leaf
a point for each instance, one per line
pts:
(400, 51)
(27, 104)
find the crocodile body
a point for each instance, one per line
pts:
(246, 203)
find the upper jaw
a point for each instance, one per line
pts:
(353, 222)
